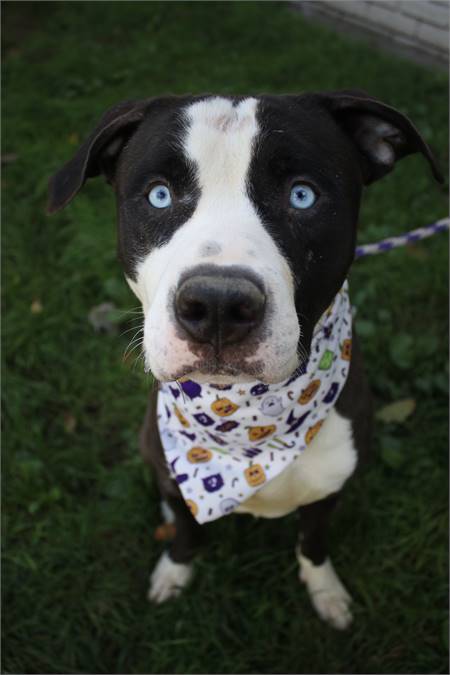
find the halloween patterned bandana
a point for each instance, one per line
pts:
(223, 443)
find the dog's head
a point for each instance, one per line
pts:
(237, 218)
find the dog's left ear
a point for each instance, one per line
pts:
(381, 133)
(98, 154)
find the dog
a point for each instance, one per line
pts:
(237, 223)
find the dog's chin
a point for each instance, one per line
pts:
(226, 373)
(217, 378)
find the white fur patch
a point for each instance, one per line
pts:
(319, 471)
(219, 141)
(168, 579)
(329, 597)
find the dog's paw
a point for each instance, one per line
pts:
(328, 595)
(168, 579)
(333, 607)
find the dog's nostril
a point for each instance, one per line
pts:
(244, 312)
(192, 310)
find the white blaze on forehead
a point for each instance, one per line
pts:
(219, 141)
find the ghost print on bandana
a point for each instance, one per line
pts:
(223, 443)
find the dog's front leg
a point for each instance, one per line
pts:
(174, 568)
(328, 595)
(173, 571)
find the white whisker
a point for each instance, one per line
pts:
(136, 340)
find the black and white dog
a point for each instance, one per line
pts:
(237, 224)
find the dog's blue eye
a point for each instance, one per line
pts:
(302, 196)
(160, 197)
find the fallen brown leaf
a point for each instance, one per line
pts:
(398, 411)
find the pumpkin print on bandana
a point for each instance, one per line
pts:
(223, 443)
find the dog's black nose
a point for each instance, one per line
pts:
(219, 309)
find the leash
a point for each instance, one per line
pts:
(411, 237)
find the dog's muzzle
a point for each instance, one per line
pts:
(219, 309)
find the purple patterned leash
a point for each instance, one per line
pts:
(403, 239)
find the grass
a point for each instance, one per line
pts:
(79, 508)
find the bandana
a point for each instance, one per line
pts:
(223, 443)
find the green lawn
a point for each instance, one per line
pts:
(79, 507)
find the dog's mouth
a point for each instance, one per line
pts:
(228, 365)
(221, 372)
(218, 371)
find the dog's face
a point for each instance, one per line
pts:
(237, 219)
(229, 173)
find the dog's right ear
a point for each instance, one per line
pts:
(98, 154)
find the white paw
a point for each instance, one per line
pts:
(168, 579)
(328, 595)
(333, 608)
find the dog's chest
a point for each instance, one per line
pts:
(320, 470)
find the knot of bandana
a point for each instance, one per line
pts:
(223, 443)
